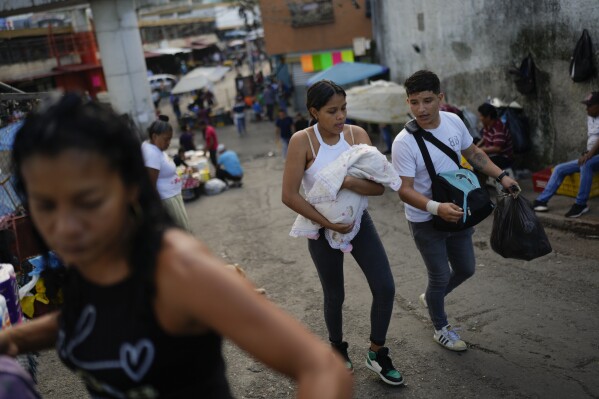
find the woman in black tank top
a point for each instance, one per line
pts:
(145, 303)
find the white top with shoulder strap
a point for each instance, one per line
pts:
(326, 155)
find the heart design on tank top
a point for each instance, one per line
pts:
(137, 359)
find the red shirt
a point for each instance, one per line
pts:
(210, 137)
(498, 136)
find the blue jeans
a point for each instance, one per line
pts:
(449, 260)
(387, 137)
(370, 254)
(284, 147)
(567, 168)
(240, 123)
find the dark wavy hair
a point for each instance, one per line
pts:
(487, 109)
(422, 80)
(72, 123)
(320, 93)
(160, 126)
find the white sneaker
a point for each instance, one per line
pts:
(450, 339)
(422, 300)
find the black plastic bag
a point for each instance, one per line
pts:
(517, 124)
(517, 232)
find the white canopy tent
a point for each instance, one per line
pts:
(214, 74)
(169, 50)
(200, 78)
(378, 102)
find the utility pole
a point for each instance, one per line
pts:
(245, 7)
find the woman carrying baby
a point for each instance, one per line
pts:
(310, 150)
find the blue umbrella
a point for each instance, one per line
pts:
(348, 72)
(235, 34)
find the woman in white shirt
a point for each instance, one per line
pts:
(162, 170)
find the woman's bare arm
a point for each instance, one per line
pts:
(35, 335)
(196, 285)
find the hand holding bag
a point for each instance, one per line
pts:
(460, 187)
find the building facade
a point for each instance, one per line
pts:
(473, 45)
(304, 37)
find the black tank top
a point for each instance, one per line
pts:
(121, 352)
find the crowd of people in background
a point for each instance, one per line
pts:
(268, 99)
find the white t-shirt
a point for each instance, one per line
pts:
(169, 183)
(593, 124)
(407, 158)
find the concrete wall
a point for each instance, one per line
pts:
(24, 70)
(123, 60)
(472, 44)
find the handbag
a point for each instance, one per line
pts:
(460, 186)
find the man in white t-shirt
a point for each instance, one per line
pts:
(438, 248)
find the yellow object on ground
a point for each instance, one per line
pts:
(571, 185)
(27, 303)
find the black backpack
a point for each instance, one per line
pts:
(581, 65)
(517, 124)
(525, 75)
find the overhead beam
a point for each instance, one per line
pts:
(33, 32)
(18, 7)
(177, 7)
(22, 96)
(148, 23)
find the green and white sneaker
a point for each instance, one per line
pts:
(341, 348)
(450, 339)
(381, 363)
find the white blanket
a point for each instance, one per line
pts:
(345, 206)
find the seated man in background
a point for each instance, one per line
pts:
(229, 168)
(179, 158)
(496, 140)
(587, 165)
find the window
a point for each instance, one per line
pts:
(308, 13)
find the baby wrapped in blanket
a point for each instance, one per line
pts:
(344, 206)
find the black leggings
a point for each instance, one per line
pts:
(224, 175)
(369, 253)
(213, 159)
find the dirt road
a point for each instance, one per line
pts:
(531, 326)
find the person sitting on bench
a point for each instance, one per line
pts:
(587, 165)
